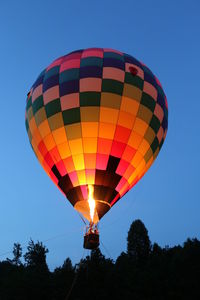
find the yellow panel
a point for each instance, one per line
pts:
(76, 146)
(44, 128)
(90, 145)
(132, 178)
(126, 120)
(140, 126)
(49, 142)
(132, 92)
(136, 159)
(108, 115)
(64, 150)
(135, 140)
(90, 178)
(81, 177)
(73, 131)
(59, 135)
(90, 129)
(89, 114)
(144, 146)
(129, 105)
(78, 162)
(32, 125)
(106, 130)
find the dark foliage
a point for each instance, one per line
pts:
(143, 272)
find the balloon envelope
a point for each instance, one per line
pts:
(96, 117)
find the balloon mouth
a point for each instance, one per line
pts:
(101, 208)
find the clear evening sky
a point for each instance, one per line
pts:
(165, 35)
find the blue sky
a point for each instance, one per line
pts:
(162, 34)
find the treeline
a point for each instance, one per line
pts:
(144, 271)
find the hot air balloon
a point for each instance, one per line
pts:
(96, 120)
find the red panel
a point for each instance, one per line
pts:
(115, 200)
(74, 178)
(84, 190)
(121, 184)
(55, 154)
(102, 161)
(49, 160)
(61, 168)
(123, 165)
(53, 177)
(122, 134)
(117, 149)
(104, 146)
(42, 148)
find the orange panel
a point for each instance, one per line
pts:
(144, 146)
(89, 129)
(140, 126)
(126, 120)
(108, 115)
(64, 150)
(44, 128)
(90, 160)
(90, 145)
(59, 135)
(135, 140)
(49, 142)
(106, 130)
(129, 105)
(76, 146)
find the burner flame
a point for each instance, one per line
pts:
(91, 202)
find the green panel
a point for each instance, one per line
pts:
(148, 155)
(68, 75)
(155, 123)
(147, 70)
(37, 104)
(91, 61)
(53, 71)
(148, 101)
(155, 145)
(112, 86)
(160, 91)
(113, 55)
(134, 80)
(29, 113)
(71, 116)
(40, 116)
(144, 113)
(27, 125)
(29, 103)
(161, 143)
(53, 107)
(90, 99)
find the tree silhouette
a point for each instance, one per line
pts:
(17, 253)
(36, 255)
(138, 242)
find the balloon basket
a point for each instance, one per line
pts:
(91, 238)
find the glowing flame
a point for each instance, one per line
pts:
(91, 201)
